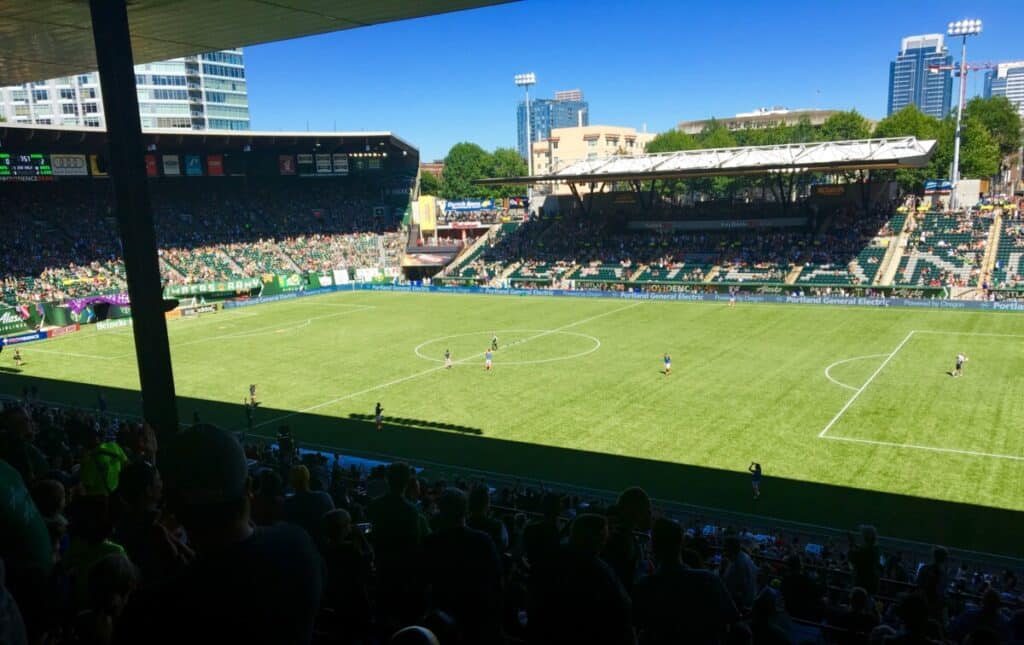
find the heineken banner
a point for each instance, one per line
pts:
(76, 305)
(202, 288)
(11, 320)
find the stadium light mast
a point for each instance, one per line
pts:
(962, 28)
(525, 81)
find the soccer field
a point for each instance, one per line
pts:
(852, 412)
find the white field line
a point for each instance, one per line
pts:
(32, 350)
(861, 389)
(260, 330)
(828, 369)
(430, 370)
(912, 446)
(966, 333)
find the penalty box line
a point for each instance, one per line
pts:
(431, 370)
(860, 390)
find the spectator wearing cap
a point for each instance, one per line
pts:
(631, 513)
(463, 571)
(481, 520)
(397, 538)
(305, 507)
(246, 585)
(575, 597)
(739, 573)
(677, 604)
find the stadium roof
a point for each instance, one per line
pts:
(43, 39)
(835, 156)
(55, 137)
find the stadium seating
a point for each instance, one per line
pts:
(1008, 271)
(944, 250)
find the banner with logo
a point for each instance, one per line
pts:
(215, 165)
(193, 166)
(151, 168)
(63, 331)
(202, 288)
(69, 165)
(470, 205)
(113, 324)
(24, 338)
(172, 167)
(286, 164)
(97, 166)
(76, 305)
(11, 320)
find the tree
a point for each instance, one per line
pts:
(910, 122)
(465, 163)
(506, 162)
(671, 141)
(1000, 118)
(429, 184)
(979, 151)
(843, 126)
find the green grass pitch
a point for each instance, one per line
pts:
(851, 411)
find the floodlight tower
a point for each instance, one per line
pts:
(963, 28)
(525, 81)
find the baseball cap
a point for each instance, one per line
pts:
(203, 465)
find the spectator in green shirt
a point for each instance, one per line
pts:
(101, 466)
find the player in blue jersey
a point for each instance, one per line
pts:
(755, 478)
(488, 357)
(668, 364)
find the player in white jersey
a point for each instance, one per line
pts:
(961, 358)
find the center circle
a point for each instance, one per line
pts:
(508, 339)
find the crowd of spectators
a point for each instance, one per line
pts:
(62, 244)
(111, 537)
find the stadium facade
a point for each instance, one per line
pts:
(912, 83)
(568, 109)
(758, 119)
(1007, 79)
(202, 92)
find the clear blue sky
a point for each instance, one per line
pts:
(441, 80)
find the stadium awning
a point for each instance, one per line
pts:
(53, 38)
(828, 156)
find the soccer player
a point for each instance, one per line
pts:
(961, 358)
(17, 357)
(755, 478)
(378, 415)
(252, 394)
(494, 343)
(668, 364)
(448, 358)
(488, 357)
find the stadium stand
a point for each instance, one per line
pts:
(945, 250)
(106, 536)
(1008, 271)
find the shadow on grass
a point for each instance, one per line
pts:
(960, 525)
(10, 370)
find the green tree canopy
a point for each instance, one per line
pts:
(1000, 118)
(842, 126)
(429, 184)
(465, 163)
(506, 162)
(911, 122)
(671, 141)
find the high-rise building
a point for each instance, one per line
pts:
(912, 83)
(1007, 79)
(201, 92)
(566, 110)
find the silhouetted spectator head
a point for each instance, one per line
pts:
(793, 563)
(869, 534)
(337, 526)
(589, 533)
(298, 479)
(732, 546)
(991, 602)
(479, 500)
(16, 422)
(111, 581)
(667, 540)
(206, 483)
(940, 555)
(452, 507)
(414, 635)
(140, 484)
(635, 507)
(412, 490)
(399, 474)
(551, 506)
(269, 484)
(49, 497)
(858, 599)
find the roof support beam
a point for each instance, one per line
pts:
(134, 214)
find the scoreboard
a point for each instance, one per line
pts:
(25, 165)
